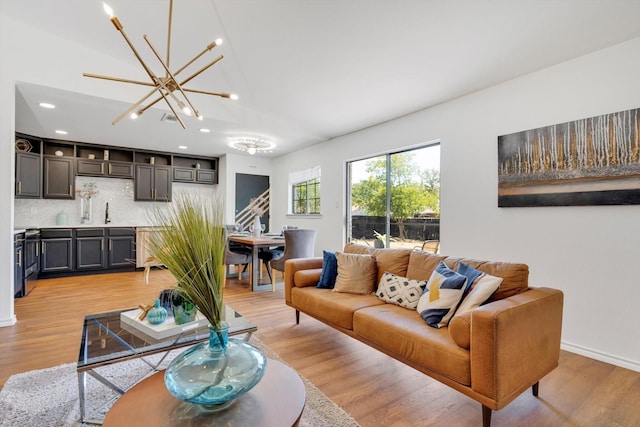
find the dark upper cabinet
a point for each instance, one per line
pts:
(58, 182)
(28, 178)
(205, 176)
(153, 183)
(90, 167)
(184, 174)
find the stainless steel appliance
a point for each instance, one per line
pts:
(31, 259)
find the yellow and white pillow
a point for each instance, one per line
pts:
(440, 299)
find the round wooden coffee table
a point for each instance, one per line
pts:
(277, 400)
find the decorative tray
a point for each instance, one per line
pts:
(166, 329)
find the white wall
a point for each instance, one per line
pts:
(589, 252)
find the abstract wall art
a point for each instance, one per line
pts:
(593, 161)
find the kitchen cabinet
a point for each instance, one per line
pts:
(153, 183)
(199, 170)
(91, 167)
(59, 180)
(28, 177)
(122, 247)
(90, 249)
(56, 254)
(18, 272)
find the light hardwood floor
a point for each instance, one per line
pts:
(372, 387)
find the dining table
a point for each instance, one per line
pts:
(255, 243)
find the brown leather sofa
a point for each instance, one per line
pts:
(491, 354)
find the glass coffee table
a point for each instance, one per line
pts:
(107, 340)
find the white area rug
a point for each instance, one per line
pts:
(49, 397)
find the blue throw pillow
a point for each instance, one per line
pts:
(329, 270)
(469, 272)
(442, 296)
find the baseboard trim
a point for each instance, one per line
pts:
(634, 365)
(8, 322)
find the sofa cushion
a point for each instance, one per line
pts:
(422, 264)
(308, 277)
(357, 273)
(329, 270)
(460, 329)
(334, 308)
(440, 299)
(399, 290)
(515, 275)
(352, 248)
(479, 291)
(392, 260)
(403, 332)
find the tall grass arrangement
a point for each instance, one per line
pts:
(191, 243)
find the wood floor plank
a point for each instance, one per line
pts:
(374, 388)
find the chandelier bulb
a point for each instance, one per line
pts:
(233, 96)
(199, 116)
(107, 10)
(218, 42)
(134, 116)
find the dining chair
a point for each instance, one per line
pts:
(298, 243)
(233, 257)
(431, 246)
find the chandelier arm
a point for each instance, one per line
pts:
(173, 110)
(169, 35)
(158, 87)
(198, 56)
(171, 76)
(201, 70)
(151, 104)
(120, 29)
(204, 92)
(117, 79)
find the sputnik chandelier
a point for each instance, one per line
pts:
(252, 145)
(167, 87)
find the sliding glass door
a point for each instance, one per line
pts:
(394, 199)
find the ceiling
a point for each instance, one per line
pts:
(305, 71)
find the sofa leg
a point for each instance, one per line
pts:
(486, 416)
(534, 389)
(297, 317)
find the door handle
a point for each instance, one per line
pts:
(19, 187)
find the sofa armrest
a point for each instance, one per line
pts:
(291, 266)
(514, 343)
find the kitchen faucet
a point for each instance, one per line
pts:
(107, 220)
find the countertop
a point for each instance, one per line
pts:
(96, 225)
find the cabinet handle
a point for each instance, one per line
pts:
(102, 245)
(70, 190)
(19, 187)
(109, 168)
(37, 250)
(42, 249)
(19, 253)
(102, 168)
(110, 244)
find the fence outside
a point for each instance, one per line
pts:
(363, 227)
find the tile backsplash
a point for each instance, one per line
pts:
(123, 210)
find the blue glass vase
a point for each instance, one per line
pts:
(214, 373)
(157, 314)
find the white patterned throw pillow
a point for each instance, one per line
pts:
(400, 290)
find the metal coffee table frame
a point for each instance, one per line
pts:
(106, 340)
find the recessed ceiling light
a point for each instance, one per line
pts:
(182, 147)
(61, 132)
(203, 130)
(47, 105)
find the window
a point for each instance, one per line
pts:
(305, 191)
(394, 199)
